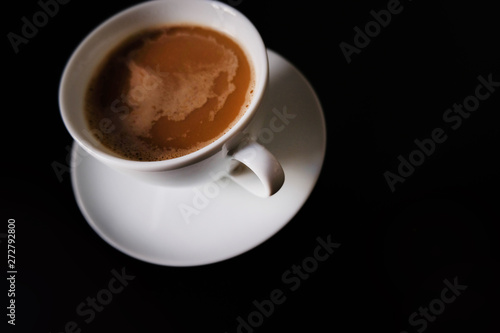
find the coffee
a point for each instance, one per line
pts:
(168, 91)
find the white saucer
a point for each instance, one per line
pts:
(216, 221)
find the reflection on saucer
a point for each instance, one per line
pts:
(149, 222)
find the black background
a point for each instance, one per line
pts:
(397, 247)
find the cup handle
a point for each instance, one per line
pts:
(256, 169)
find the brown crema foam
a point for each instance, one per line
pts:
(169, 91)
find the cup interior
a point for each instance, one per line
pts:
(92, 50)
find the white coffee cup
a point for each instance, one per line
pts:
(219, 158)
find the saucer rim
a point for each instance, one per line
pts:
(230, 254)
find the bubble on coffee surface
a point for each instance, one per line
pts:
(154, 94)
(177, 82)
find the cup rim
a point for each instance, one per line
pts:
(177, 162)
